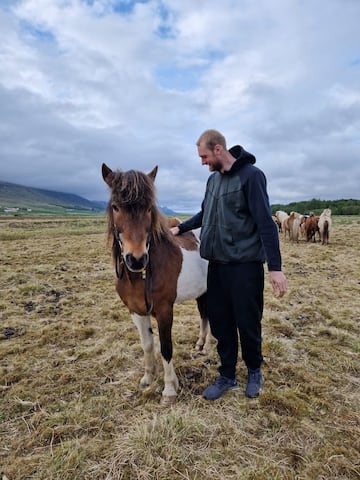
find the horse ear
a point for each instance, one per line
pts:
(153, 173)
(107, 174)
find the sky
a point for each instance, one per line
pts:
(134, 83)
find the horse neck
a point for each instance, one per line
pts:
(160, 231)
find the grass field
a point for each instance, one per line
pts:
(70, 363)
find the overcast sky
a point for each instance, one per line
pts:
(134, 83)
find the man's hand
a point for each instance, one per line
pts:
(278, 282)
(175, 230)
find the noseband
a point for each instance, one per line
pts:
(145, 272)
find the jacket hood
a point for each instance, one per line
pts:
(242, 157)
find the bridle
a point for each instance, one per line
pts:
(145, 272)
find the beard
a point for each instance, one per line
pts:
(215, 166)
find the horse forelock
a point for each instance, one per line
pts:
(132, 190)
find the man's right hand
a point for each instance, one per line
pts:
(175, 230)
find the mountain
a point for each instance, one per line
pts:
(21, 197)
(16, 198)
(167, 211)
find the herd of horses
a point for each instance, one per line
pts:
(296, 225)
(155, 269)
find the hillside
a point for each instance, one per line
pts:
(19, 199)
(25, 198)
(338, 207)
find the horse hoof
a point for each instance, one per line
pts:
(168, 399)
(146, 381)
(199, 346)
(144, 385)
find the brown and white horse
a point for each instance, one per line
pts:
(154, 268)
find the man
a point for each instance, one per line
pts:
(238, 235)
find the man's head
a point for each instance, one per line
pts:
(211, 138)
(211, 148)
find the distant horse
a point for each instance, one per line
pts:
(277, 221)
(293, 225)
(324, 225)
(154, 268)
(283, 218)
(311, 227)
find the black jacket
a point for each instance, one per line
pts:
(235, 217)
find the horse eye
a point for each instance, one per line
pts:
(115, 207)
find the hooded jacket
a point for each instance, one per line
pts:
(235, 217)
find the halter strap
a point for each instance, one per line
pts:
(120, 266)
(149, 304)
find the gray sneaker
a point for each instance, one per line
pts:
(255, 383)
(217, 389)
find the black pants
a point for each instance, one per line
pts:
(235, 306)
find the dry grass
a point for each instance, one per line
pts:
(71, 362)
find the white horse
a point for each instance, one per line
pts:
(325, 226)
(283, 217)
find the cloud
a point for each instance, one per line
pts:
(133, 84)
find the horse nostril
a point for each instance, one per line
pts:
(130, 259)
(136, 264)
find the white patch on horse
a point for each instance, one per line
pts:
(171, 382)
(143, 324)
(192, 279)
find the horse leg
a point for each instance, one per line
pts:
(204, 341)
(143, 325)
(171, 382)
(326, 233)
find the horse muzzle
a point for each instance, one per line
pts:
(135, 264)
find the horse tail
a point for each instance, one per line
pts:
(326, 232)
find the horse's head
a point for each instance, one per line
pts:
(131, 211)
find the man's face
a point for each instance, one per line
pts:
(209, 157)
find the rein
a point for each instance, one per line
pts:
(145, 274)
(149, 304)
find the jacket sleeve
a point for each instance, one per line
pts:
(191, 223)
(259, 206)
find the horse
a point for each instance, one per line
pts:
(324, 225)
(154, 269)
(311, 227)
(293, 225)
(277, 222)
(282, 218)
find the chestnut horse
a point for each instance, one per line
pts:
(154, 268)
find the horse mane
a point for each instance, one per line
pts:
(135, 192)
